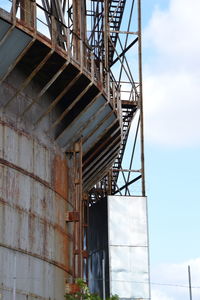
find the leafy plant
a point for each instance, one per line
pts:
(84, 293)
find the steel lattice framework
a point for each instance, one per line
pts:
(77, 70)
(108, 33)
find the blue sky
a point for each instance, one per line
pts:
(171, 71)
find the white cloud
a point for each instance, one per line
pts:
(158, 295)
(174, 31)
(172, 75)
(170, 281)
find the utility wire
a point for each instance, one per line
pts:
(117, 280)
(153, 283)
(157, 283)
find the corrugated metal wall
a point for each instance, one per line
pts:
(49, 105)
(33, 201)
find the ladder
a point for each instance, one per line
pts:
(128, 110)
(116, 9)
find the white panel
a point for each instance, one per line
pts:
(132, 228)
(128, 247)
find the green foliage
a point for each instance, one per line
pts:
(113, 297)
(84, 293)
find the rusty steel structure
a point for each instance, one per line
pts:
(70, 103)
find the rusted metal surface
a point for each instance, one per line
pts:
(59, 94)
(72, 216)
(9, 37)
(59, 124)
(78, 226)
(72, 288)
(64, 113)
(33, 202)
(29, 78)
(60, 175)
(96, 129)
(57, 99)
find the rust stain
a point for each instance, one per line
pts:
(13, 126)
(72, 288)
(50, 261)
(70, 180)
(33, 215)
(59, 172)
(12, 187)
(44, 203)
(40, 37)
(5, 162)
(23, 171)
(66, 251)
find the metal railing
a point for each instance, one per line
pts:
(62, 37)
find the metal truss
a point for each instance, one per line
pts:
(110, 30)
(115, 37)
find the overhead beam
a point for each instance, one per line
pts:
(58, 98)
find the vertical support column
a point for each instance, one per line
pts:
(106, 47)
(14, 11)
(85, 235)
(68, 44)
(79, 18)
(141, 97)
(92, 66)
(28, 12)
(79, 27)
(142, 124)
(106, 31)
(101, 71)
(78, 206)
(77, 215)
(53, 31)
(190, 286)
(110, 182)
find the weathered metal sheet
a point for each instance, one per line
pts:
(33, 277)
(128, 247)
(93, 139)
(25, 152)
(20, 91)
(4, 27)
(39, 183)
(33, 191)
(8, 53)
(79, 127)
(90, 182)
(99, 117)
